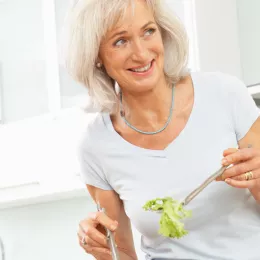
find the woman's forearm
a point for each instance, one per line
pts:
(122, 256)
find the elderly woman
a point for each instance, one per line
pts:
(162, 130)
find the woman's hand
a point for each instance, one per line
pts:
(245, 172)
(91, 234)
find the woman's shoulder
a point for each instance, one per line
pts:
(218, 79)
(92, 132)
(218, 83)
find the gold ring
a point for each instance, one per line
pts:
(249, 176)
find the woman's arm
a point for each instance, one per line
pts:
(253, 138)
(115, 210)
(245, 160)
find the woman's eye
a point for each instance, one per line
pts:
(149, 31)
(119, 42)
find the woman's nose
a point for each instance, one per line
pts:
(139, 51)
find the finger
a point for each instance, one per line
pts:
(103, 253)
(230, 151)
(92, 233)
(241, 155)
(88, 241)
(242, 177)
(226, 153)
(242, 184)
(101, 218)
(97, 251)
(238, 169)
(92, 247)
(231, 172)
(86, 247)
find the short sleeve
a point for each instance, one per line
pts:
(91, 170)
(244, 111)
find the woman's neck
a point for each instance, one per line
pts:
(150, 109)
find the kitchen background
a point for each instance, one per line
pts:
(42, 198)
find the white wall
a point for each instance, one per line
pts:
(22, 59)
(46, 231)
(218, 39)
(249, 32)
(69, 89)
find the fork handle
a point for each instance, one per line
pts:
(194, 193)
(112, 245)
(110, 237)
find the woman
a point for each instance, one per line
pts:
(162, 132)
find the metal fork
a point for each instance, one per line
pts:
(110, 237)
(199, 189)
(210, 179)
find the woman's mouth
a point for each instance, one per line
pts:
(143, 71)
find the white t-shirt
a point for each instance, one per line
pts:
(226, 221)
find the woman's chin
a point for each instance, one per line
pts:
(142, 88)
(146, 85)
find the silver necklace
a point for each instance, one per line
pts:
(144, 132)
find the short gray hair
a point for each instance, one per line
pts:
(89, 20)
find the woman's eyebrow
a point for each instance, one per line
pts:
(124, 32)
(117, 34)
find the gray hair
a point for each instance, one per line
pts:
(89, 20)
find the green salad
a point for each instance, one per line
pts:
(171, 216)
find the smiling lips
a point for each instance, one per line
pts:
(142, 69)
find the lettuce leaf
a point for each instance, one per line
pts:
(171, 216)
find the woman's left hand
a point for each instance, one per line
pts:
(245, 171)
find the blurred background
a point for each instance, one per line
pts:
(42, 198)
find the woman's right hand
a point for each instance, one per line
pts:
(92, 235)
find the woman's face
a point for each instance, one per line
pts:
(133, 52)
